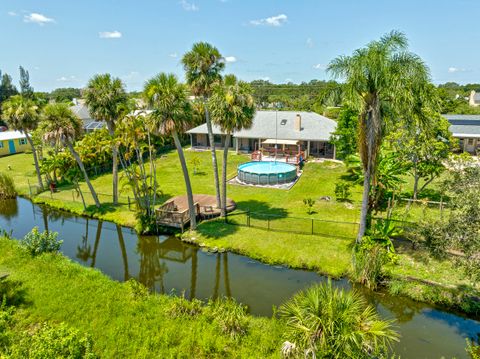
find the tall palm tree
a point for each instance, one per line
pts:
(167, 98)
(379, 82)
(106, 99)
(60, 124)
(233, 108)
(22, 114)
(203, 65)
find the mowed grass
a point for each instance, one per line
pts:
(122, 323)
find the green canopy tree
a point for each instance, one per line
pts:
(203, 65)
(60, 124)
(25, 88)
(171, 114)
(106, 99)
(22, 114)
(233, 108)
(379, 79)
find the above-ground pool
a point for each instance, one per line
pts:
(266, 173)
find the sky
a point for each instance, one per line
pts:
(63, 43)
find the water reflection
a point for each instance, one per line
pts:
(165, 264)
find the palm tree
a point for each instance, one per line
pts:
(327, 322)
(379, 81)
(167, 98)
(106, 99)
(59, 123)
(233, 109)
(22, 114)
(203, 65)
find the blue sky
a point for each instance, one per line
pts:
(63, 43)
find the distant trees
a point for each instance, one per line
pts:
(65, 94)
(25, 88)
(345, 135)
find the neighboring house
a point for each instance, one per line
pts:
(474, 99)
(467, 129)
(12, 142)
(286, 130)
(80, 109)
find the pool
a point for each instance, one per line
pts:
(266, 173)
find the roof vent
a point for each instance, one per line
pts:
(283, 122)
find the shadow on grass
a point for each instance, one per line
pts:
(13, 293)
(262, 210)
(217, 228)
(429, 194)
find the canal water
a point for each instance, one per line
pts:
(165, 264)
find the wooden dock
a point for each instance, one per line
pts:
(175, 212)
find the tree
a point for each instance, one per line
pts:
(22, 114)
(60, 124)
(203, 65)
(379, 80)
(65, 94)
(25, 88)
(345, 135)
(168, 100)
(106, 99)
(424, 146)
(7, 88)
(233, 108)
(325, 322)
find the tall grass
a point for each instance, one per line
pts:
(7, 187)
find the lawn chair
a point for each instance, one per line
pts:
(208, 212)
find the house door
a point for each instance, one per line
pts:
(11, 146)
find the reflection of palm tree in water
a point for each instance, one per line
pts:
(193, 279)
(226, 276)
(84, 250)
(124, 252)
(97, 242)
(151, 269)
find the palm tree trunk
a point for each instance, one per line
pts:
(35, 160)
(214, 156)
(191, 207)
(364, 211)
(416, 178)
(224, 176)
(115, 173)
(228, 291)
(97, 242)
(82, 168)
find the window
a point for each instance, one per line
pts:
(22, 141)
(470, 141)
(1, 144)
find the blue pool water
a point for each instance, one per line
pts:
(266, 167)
(266, 173)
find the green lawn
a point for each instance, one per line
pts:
(328, 253)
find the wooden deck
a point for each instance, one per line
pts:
(175, 212)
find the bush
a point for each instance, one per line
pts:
(7, 187)
(309, 203)
(326, 322)
(184, 307)
(473, 350)
(342, 191)
(54, 342)
(230, 316)
(369, 257)
(37, 243)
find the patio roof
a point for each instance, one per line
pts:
(273, 141)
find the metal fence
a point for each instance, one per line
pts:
(298, 225)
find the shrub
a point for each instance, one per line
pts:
(342, 191)
(6, 317)
(184, 307)
(369, 257)
(309, 203)
(230, 316)
(37, 243)
(327, 322)
(54, 342)
(473, 350)
(137, 289)
(7, 187)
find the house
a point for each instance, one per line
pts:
(80, 109)
(474, 99)
(278, 131)
(12, 142)
(467, 129)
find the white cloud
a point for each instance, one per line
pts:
(266, 78)
(310, 43)
(67, 79)
(319, 67)
(12, 13)
(110, 34)
(189, 6)
(456, 69)
(173, 55)
(230, 59)
(130, 76)
(37, 18)
(276, 21)
(288, 80)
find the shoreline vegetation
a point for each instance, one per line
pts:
(416, 275)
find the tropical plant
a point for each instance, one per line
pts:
(232, 109)
(230, 316)
(22, 114)
(59, 124)
(203, 65)
(342, 191)
(195, 162)
(379, 81)
(7, 186)
(106, 99)
(37, 243)
(309, 203)
(327, 322)
(369, 258)
(167, 98)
